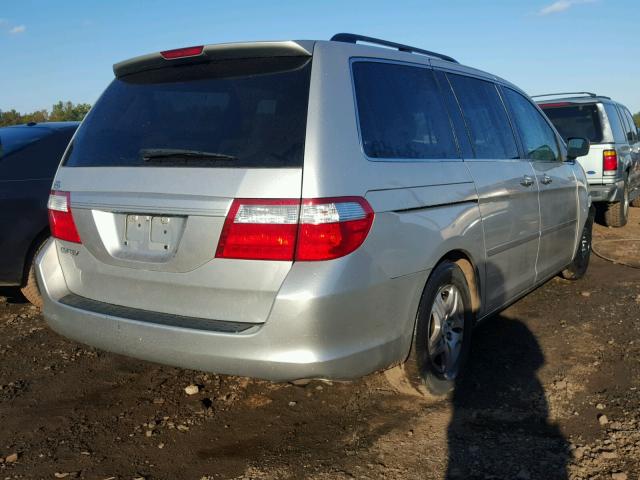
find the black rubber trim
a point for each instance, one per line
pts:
(512, 244)
(435, 205)
(555, 228)
(159, 318)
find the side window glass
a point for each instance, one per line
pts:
(453, 108)
(633, 132)
(401, 112)
(487, 121)
(616, 124)
(538, 138)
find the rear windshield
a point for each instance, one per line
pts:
(232, 113)
(576, 121)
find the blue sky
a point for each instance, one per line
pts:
(64, 50)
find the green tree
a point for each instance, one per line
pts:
(11, 117)
(67, 111)
(636, 118)
(60, 112)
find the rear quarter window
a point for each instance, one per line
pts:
(401, 113)
(619, 135)
(629, 124)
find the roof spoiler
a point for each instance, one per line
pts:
(223, 51)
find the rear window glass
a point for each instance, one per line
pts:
(233, 113)
(401, 113)
(13, 139)
(489, 127)
(581, 120)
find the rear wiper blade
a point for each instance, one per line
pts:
(170, 154)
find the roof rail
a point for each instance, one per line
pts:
(590, 94)
(355, 38)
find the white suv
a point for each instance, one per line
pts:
(613, 162)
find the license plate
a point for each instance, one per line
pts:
(152, 232)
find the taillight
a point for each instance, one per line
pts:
(61, 221)
(260, 229)
(332, 227)
(182, 52)
(314, 229)
(609, 162)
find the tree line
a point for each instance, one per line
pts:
(60, 112)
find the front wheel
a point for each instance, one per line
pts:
(580, 263)
(442, 336)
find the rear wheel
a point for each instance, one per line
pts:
(441, 339)
(635, 202)
(30, 290)
(617, 214)
(580, 263)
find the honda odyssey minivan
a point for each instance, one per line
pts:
(308, 209)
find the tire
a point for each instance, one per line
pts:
(635, 202)
(580, 263)
(444, 315)
(617, 214)
(30, 289)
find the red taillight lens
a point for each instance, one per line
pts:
(609, 161)
(551, 105)
(260, 229)
(332, 227)
(61, 221)
(316, 229)
(182, 52)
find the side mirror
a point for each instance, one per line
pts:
(577, 147)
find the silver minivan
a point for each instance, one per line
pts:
(308, 209)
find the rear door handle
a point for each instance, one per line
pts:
(546, 179)
(526, 181)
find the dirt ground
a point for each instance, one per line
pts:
(553, 391)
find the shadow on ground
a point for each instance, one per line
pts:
(500, 427)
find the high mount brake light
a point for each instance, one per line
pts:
(557, 104)
(288, 229)
(609, 162)
(61, 221)
(182, 52)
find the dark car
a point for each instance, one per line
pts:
(29, 157)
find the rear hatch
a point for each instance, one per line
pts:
(154, 168)
(586, 120)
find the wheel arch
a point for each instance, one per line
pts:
(471, 273)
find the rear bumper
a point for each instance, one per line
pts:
(326, 322)
(611, 192)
